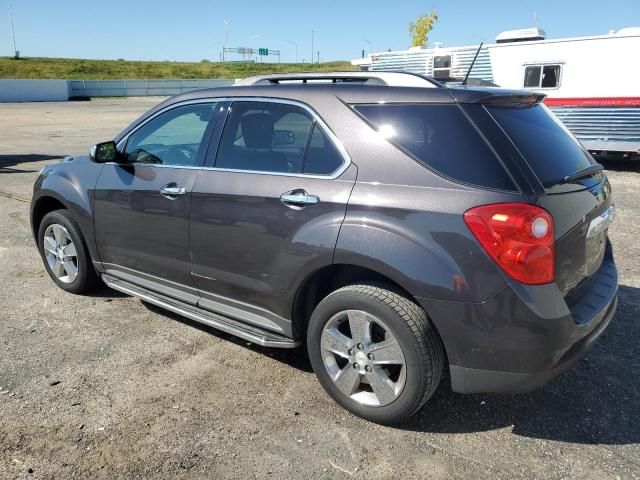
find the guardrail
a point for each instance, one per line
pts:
(33, 90)
(60, 90)
(141, 88)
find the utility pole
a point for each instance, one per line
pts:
(312, 33)
(13, 33)
(318, 57)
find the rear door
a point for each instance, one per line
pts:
(266, 210)
(142, 203)
(581, 207)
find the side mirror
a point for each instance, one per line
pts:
(104, 152)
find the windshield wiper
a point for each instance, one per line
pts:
(585, 172)
(582, 173)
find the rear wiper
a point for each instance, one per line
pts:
(585, 172)
(582, 173)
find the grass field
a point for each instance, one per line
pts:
(66, 68)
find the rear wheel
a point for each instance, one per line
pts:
(375, 352)
(64, 253)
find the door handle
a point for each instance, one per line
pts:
(171, 191)
(299, 198)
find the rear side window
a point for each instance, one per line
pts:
(442, 138)
(264, 137)
(277, 138)
(543, 141)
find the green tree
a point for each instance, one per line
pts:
(419, 30)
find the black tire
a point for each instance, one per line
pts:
(417, 337)
(86, 278)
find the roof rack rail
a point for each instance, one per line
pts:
(388, 79)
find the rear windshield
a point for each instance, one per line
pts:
(442, 138)
(543, 141)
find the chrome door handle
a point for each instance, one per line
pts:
(299, 198)
(171, 191)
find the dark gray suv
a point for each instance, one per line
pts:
(396, 225)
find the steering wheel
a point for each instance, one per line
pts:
(179, 153)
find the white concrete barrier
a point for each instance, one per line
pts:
(34, 90)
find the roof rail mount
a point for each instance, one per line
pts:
(387, 79)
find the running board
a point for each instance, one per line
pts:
(219, 322)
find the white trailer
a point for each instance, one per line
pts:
(592, 83)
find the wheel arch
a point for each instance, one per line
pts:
(325, 280)
(48, 200)
(41, 206)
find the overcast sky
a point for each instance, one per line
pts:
(192, 30)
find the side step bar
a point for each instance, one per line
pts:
(219, 322)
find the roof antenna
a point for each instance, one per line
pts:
(464, 82)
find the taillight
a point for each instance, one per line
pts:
(519, 237)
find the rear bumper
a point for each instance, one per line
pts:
(523, 336)
(471, 380)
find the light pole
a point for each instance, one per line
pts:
(368, 43)
(226, 34)
(13, 33)
(295, 45)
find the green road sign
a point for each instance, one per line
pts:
(263, 51)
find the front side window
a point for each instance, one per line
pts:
(171, 138)
(441, 138)
(542, 76)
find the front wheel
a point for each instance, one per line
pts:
(64, 253)
(375, 352)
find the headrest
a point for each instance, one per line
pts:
(257, 130)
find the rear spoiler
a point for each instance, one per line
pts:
(497, 98)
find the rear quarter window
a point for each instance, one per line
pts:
(441, 138)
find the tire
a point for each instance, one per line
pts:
(85, 277)
(403, 321)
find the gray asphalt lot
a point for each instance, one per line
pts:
(103, 386)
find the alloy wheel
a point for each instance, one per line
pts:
(61, 253)
(363, 358)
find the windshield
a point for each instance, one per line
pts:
(548, 147)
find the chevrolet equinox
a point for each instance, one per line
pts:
(396, 225)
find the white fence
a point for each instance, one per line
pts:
(140, 88)
(62, 90)
(34, 90)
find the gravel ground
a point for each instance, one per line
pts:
(103, 386)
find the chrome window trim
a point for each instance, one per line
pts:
(346, 159)
(155, 165)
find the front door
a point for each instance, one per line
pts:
(269, 211)
(142, 203)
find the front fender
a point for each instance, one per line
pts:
(72, 184)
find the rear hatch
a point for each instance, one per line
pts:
(576, 192)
